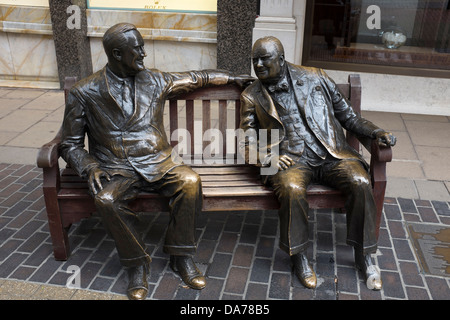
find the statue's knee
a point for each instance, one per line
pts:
(360, 181)
(104, 199)
(191, 182)
(291, 188)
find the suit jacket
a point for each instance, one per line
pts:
(120, 144)
(323, 107)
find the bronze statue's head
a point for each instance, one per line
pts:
(268, 59)
(124, 47)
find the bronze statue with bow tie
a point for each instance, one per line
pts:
(120, 108)
(310, 113)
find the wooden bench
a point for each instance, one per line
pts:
(226, 187)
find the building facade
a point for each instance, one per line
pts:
(401, 49)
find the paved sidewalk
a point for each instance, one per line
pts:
(238, 252)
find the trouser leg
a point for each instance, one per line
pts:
(121, 221)
(290, 187)
(183, 186)
(350, 177)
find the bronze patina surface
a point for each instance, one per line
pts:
(120, 108)
(309, 113)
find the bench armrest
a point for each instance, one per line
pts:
(48, 154)
(378, 153)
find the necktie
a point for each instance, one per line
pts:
(127, 98)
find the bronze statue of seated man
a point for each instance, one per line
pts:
(120, 109)
(310, 113)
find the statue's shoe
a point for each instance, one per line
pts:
(304, 271)
(370, 271)
(137, 282)
(188, 271)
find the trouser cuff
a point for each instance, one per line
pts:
(293, 250)
(180, 250)
(136, 262)
(365, 250)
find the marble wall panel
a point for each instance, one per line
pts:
(157, 25)
(33, 57)
(6, 63)
(168, 56)
(173, 41)
(183, 56)
(26, 44)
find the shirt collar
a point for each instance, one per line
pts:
(281, 86)
(115, 79)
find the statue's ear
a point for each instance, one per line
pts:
(117, 54)
(282, 60)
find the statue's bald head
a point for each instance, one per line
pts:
(268, 59)
(269, 42)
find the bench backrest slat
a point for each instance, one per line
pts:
(221, 101)
(217, 106)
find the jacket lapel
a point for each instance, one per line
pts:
(144, 92)
(103, 102)
(299, 83)
(266, 102)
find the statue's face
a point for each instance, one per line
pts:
(132, 53)
(267, 61)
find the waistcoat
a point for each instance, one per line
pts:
(299, 142)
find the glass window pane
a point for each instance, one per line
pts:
(401, 33)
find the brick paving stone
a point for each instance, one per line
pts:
(415, 293)
(392, 212)
(22, 273)
(256, 291)
(407, 205)
(392, 285)
(428, 215)
(249, 234)
(243, 256)
(227, 242)
(386, 260)
(101, 284)
(439, 287)
(220, 265)
(238, 252)
(167, 287)
(441, 207)
(213, 290)
(325, 265)
(403, 250)
(347, 280)
(302, 293)
(261, 270)
(236, 280)
(280, 286)
(411, 274)
(397, 230)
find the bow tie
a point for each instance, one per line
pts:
(282, 85)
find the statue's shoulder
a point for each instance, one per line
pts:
(313, 71)
(253, 89)
(89, 81)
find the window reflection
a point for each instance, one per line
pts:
(406, 33)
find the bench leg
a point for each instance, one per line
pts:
(379, 182)
(58, 233)
(378, 193)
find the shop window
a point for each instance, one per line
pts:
(388, 36)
